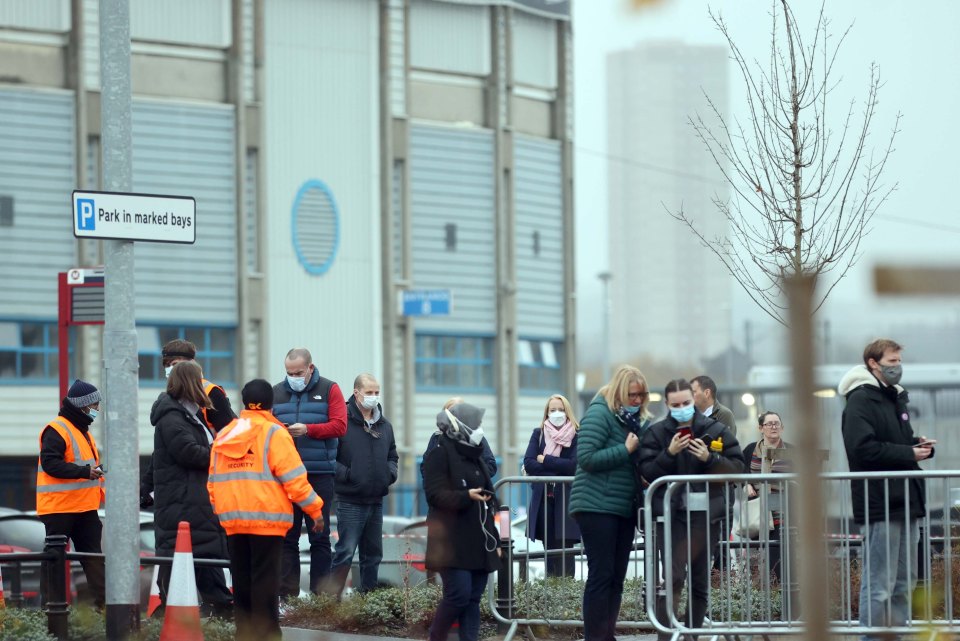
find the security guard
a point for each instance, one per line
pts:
(255, 477)
(70, 481)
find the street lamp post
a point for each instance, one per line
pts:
(605, 279)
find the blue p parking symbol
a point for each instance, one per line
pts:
(86, 218)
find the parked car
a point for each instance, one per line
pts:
(403, 555)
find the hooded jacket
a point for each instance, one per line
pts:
(255, 474)
(366, 465)
(460, 531)
(656, 461)
(878, 437)
(181, 457)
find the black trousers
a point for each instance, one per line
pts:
(608, 541)
(84, 530)
(255, 566)
(689, 553)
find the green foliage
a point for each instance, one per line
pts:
(23, 625)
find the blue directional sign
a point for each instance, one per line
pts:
(427, 302)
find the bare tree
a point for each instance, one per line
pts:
(803, 194)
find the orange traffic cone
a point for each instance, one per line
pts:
(2, 602)
(181, 621)
(154, 601)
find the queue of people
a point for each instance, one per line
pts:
(246, 484)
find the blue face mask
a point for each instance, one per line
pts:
(631, 409)
(92, 413)
(297, 383)
(682, 414)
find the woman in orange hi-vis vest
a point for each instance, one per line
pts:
(70, 481)
(255, 477)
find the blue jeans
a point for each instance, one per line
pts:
(320, 552)
(886, 583)
(462, 591)
(607, 540)
(359, 525)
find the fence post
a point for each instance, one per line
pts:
(16, 585)
(505, 599)
(56, 586)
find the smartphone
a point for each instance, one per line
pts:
(486, 493)
(685, 431)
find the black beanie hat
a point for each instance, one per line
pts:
(82, 394)
(257, 395)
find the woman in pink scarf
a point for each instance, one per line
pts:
(553, 452)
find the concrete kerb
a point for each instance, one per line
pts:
(301, 634)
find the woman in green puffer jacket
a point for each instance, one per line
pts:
(605, 491)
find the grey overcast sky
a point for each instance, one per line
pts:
(916, 48)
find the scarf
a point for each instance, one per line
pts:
(80, 419)
(557, 438)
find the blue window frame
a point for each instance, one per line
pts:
(454, 363)
(540, 369)
(216, 350)
(29, 352)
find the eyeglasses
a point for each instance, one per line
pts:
(773, 424)
(636, 394)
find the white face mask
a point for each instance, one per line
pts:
(297, 383)
(557, 418)
(370, 402)
(476, 436)
(167, 370)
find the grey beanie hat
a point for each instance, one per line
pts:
(82, 394)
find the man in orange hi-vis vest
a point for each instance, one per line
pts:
(255, 477)
(70, 480)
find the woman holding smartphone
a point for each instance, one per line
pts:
(687, 442)
(462, 540)
(605, 495)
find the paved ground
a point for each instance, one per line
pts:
(298, 634)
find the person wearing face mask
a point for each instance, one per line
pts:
(462, 538)
(685, 443)
(552, 451)
(217, 416)
(878, 437)
(366, 468)
(313, 410)
(70, 482)
(606, 491)
(488, 458)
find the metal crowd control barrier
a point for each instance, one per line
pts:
(756, 591)
(522, 596)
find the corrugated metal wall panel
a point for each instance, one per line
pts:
(398, 73)
(37, 169)
(396, 203)
(315, 50)
(40, 15)
(251, 348)
(539, 211)
(394, 405)
(35, 406)
(91, 43)
(534, 51)
(450, 37)
(204, 23)
(251, 213)
(188, 150)
(452, 183)
(249, 51)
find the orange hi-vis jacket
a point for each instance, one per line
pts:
(207, 387)
(255, 473)
(60, 496)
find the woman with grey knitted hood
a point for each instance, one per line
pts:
(462, 541)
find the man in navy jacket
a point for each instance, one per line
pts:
(315, 414)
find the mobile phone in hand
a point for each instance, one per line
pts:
(685, 431)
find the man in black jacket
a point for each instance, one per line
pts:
(878, 438)
(366, 468)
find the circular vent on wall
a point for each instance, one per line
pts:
(316, 227)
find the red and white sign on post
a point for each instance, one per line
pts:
(79, 302)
